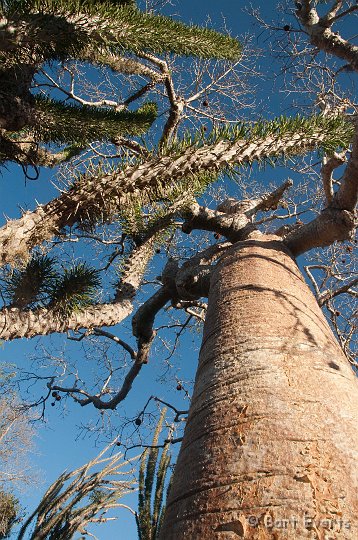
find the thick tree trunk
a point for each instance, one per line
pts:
(270, 447)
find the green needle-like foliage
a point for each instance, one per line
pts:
(200, 161)
(32, 284)
(150, 501)
(114, 26)
(337, 129)
(75, 289)
(97, 31)
(63, 123)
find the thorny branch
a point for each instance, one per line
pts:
(16, 323)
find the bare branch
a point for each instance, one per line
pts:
(329, 165)
(338, 221)
(70, 94)
(321, 35)
(330, 226)
(324, 297)
(346, 197)
(99, 332)
(233, 226)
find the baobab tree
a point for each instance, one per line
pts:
(269, 446)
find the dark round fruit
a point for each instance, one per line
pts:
(157, 250)
(54, 394)
(287, 28)
(58, 398)
(53, 404)
(205, 103)
(137, 421)
(118, 443)
(338, 313)
(343, 261)
(179, 387)
(205, 128)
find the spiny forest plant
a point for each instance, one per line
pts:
(102, 33)
(80, 497)
(153, 469)
(42, 283)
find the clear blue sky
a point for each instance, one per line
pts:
(59, 443)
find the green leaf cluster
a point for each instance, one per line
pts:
(60, 122)
(117, 27)
(76, 289)
(39, 283)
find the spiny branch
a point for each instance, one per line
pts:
(16, 323)
(97, 193)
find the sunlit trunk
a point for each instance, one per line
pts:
(270, 447)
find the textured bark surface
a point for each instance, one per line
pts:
(328, 227)
(272, 434)
(322, 36)
(16, 323)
